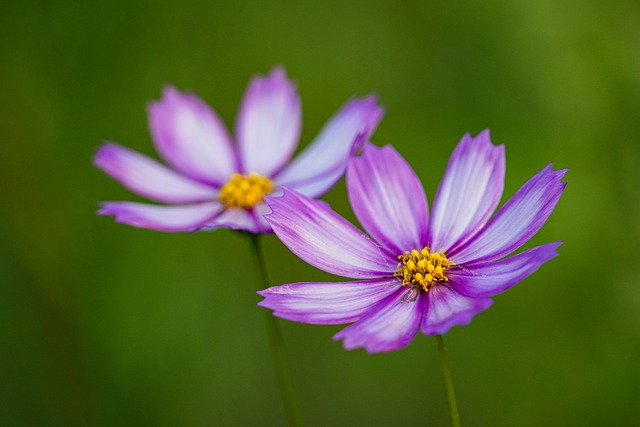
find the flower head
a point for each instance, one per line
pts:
(212, 181)
(413, 272)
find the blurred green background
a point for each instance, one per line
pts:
(103, 324)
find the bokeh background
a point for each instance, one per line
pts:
(103, 324)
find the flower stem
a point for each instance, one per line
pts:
(278, 351)
(451, 394)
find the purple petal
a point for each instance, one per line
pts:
(491, 278)
(259, 211)
(191, 137)
(469, 192)
(519, 219)
(269, 122)
(389, 326)
(251, 220)
(388, 198)
(162, 218)
(323, 162)
(327, 303)
(443, 308)
(235, 219)
(324, 239)
(149, 178)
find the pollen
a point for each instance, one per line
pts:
(244, 191)
(422, 268)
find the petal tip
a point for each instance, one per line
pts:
(368, 106)
(169, 95)
(109, 156)
(172, 99)
(277, 79)
(169, 90)
(553, 248)
(103, 154)
(106, 208)
(278, 73)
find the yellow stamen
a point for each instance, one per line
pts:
(244, 191)
(423, 268)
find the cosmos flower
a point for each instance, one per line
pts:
(412, 272)
(212, 181)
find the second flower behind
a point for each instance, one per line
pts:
(213, 181)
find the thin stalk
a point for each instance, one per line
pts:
(451, 394)
(276, 342)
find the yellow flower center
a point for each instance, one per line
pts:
(244, 191)
(422, 268)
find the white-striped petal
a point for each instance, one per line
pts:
(327, 303)
(444, 308)
(469, 191)
(323, 162)
(163, 218)
(148, 178)
(190, 136)
(389, 326)
(325, 240)
(269, 123)
(519, 219)
(388, 199)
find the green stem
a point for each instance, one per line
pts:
(278, 351)
(451, 394)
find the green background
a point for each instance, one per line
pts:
(103, 324)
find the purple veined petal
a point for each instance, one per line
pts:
(327, 303)
(388, 199)
(323, 162)
(389, 326)
(148, 178)
(443, 308)
(494, 277)
(190, 136)
(517, 221)
(269, 123)
(163, 218)
(325, 240)
(469, 191)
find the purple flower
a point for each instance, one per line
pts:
(213, 181)
(412, 272)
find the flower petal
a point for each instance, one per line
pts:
(389, 326)
(517, 221)
(324, 239)
(251, 220)
(162, 218)
(191, 137)
(235, 219)
(469, 191)
(327, 303)
(269, 123)
(259, 211)
(491, 278)
(443, 308)
(149, 178)
(388, 199)
(323, 162)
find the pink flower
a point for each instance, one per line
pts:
(413, 271)
(213, 181)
